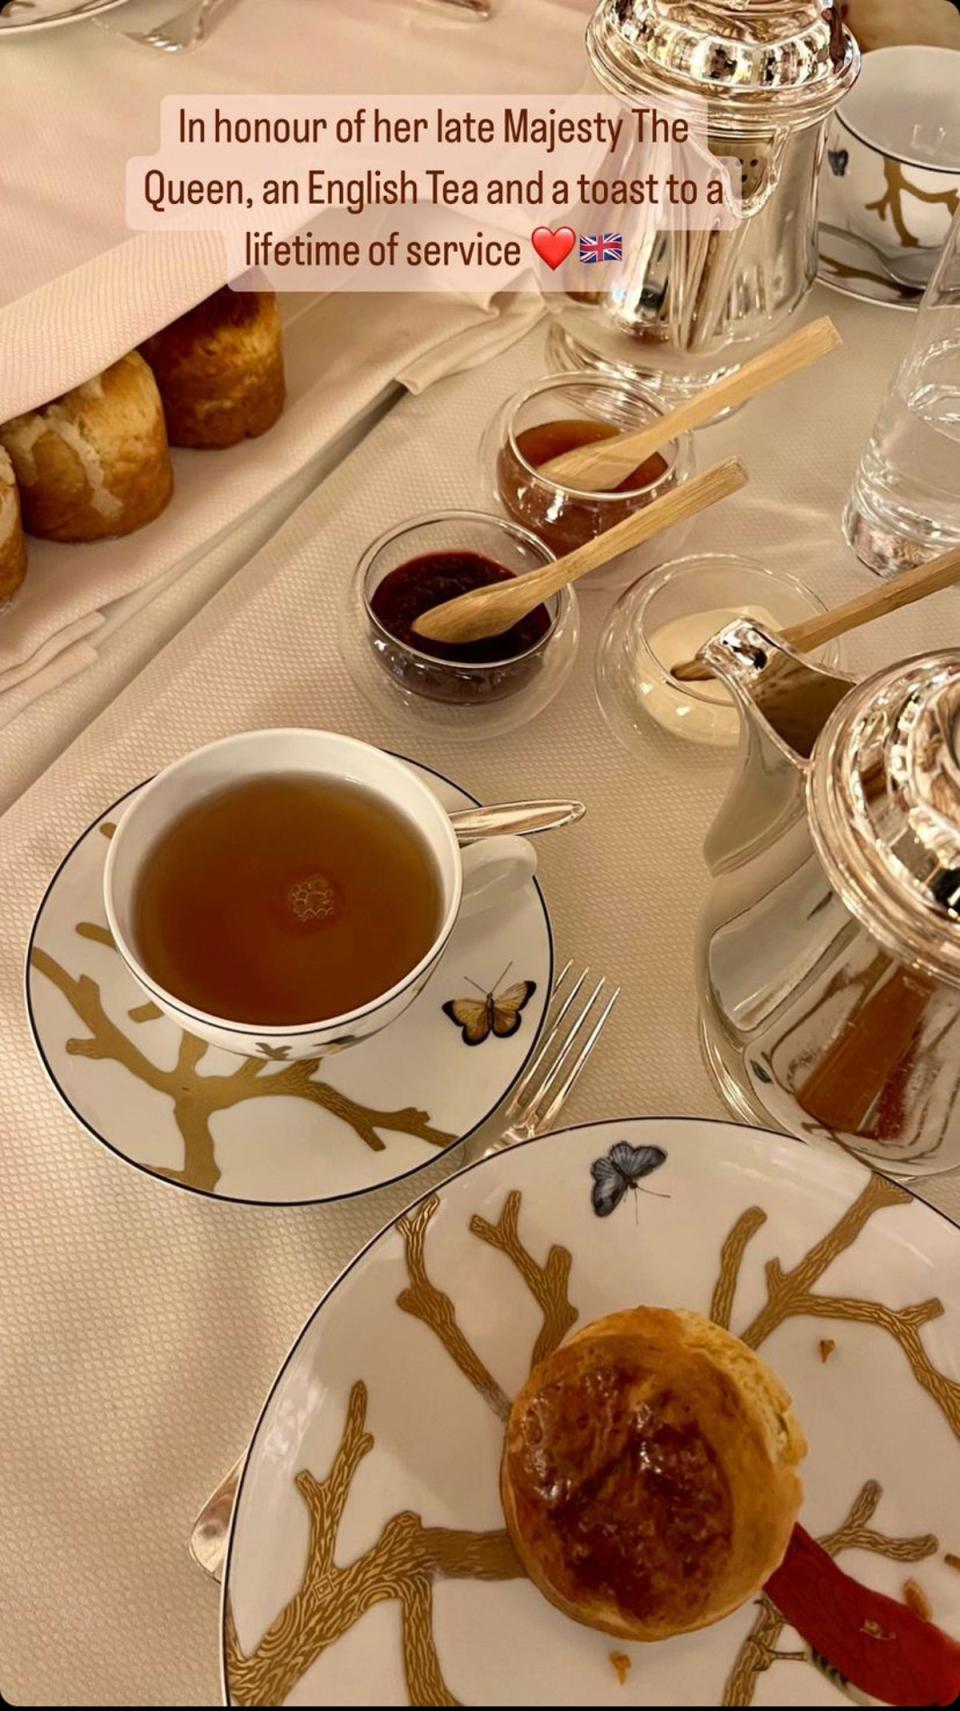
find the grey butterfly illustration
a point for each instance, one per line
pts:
(839, 159)
(620, 1170)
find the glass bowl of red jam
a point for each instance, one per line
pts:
(477, 688)
(557, 414)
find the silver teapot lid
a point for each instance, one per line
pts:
(771, 62)
(884, 800)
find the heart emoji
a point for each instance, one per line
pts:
(553, 247)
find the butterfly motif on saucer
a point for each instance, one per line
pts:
(621, 1170)
(494, 1012)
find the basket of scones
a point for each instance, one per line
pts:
(94, 463)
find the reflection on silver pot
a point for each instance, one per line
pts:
(690, 305)
(828, 952)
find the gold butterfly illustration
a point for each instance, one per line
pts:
(493, 1012)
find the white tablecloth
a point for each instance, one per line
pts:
(139, 1326)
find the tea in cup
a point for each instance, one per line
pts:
(287, 893)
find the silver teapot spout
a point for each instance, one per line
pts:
(775, 687)
(784, 703)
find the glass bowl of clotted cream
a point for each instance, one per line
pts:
(664, 619)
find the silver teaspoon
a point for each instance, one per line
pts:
(520, 817)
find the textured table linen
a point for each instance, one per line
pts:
(139, 1325)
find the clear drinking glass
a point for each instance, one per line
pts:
(904, 505)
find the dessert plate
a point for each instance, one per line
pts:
(275, 1133)
(16, 16)
(368, 1563)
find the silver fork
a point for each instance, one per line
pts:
(556, 1066)
(534, 1106)
(186, 29)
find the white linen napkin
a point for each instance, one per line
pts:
(77, 290)
(342, 354)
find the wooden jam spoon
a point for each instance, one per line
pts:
(491, 610)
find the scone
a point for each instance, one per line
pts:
(220, 369)
(13, 547)
(95, 462)
(649, 1474)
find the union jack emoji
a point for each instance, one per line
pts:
(604, 246)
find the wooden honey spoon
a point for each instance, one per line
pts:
(497, 607)
(603, 464)
(886, 597)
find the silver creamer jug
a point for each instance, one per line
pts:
(687, 306)
(828, 953)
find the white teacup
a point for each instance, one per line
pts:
(471, 879)
(894, 149)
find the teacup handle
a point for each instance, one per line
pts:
(492, 869)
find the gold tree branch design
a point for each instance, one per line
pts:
(760, 1649)
(197, 1098)
(424, 1301)
(402, 1566)
(408, 1557)
(547, 1283)
(421, 1665)
(731, 1259)
(898, 186)
(790, 1293)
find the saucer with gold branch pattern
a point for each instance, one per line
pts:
(268, 1132)
(846, 262)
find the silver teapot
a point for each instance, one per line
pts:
(828, 951)
(687, 306)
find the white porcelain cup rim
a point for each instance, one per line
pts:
(878, 66)
(491, 867)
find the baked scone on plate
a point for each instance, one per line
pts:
(220, 369)
(93, 463)
(649, 1475)
(13, 547)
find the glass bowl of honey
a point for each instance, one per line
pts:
(559, 413)
(475, 689)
